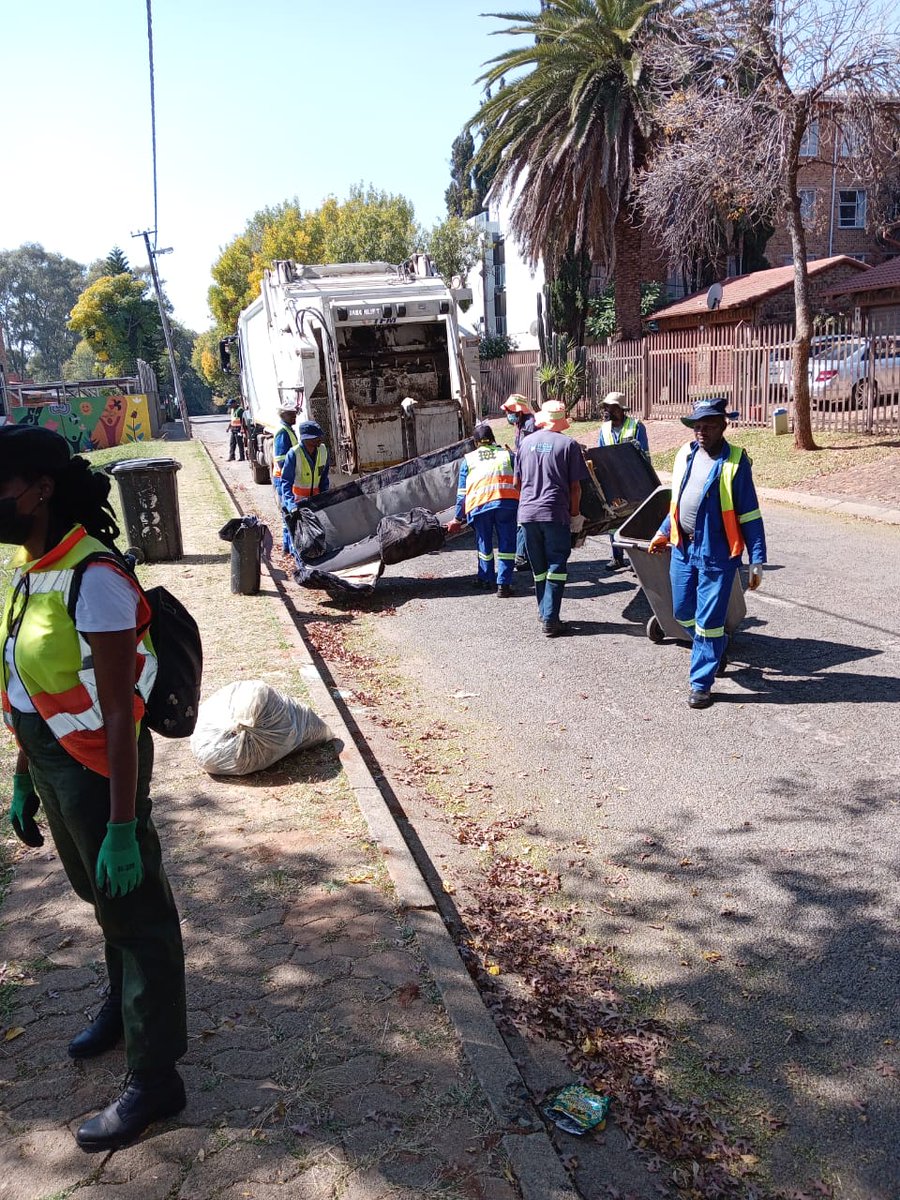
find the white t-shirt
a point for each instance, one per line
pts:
(107, 603)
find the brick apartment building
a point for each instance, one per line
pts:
(836, 206)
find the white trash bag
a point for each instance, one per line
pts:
(248, 726)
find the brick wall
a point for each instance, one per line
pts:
(822, 174)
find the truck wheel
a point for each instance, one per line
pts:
(260, 472)
(655, 631)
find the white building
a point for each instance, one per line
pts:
(504, 288)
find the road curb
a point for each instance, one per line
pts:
(537, 1166)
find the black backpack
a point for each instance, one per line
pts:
(172, 705)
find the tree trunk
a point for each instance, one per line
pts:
(803, 435)
(627, 278)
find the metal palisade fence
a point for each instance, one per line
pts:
(854, 374)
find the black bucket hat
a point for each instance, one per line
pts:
(717, 407)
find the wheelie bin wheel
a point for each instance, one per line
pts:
(655, 631)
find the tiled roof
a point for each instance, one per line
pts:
(748, 289)
(885, 276)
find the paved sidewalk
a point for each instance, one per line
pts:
(321, 1063)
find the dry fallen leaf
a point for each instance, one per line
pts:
(712, 956)
(13, 1032)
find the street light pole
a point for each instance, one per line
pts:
(167, 334)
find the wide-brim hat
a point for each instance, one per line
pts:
(517, 403)
(552, 415)
(717, 407)
(30, 450)
(616, 398)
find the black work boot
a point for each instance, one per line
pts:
(146, 1098)
(104, 1032)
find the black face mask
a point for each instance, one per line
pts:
(15, 527)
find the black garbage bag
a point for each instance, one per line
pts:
(239, 528)
(307, 533)
(409, 534)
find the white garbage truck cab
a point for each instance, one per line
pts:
(370, 351)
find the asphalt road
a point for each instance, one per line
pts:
(763, 830)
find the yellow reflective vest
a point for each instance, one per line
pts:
(53, 660)
(308, 476)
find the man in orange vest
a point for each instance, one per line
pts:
(488, 498)
(236, 430)
(713, 516)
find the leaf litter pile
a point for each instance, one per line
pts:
(557, 987)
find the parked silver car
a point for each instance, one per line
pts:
(843, 371)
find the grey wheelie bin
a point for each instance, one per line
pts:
(652, 570)
(148, 490)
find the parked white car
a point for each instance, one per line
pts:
(842, 370)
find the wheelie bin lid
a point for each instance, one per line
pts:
(150, 465)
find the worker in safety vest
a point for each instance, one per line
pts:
(305, 471)
(714, 515)
(488, 498)
(618, 427)
(285, 441)
(236, 430)
(520, 414)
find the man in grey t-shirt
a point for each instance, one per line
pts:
(550, 468)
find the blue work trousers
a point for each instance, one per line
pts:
(502, 522)
(700, 594)
(286, 544)
(521, 552)
(549, 544)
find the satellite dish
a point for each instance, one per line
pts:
(533, 328)
(714, 297)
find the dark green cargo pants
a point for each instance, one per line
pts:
(144, 953)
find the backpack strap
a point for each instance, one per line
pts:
(119, 563)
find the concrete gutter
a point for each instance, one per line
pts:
(539, 1171)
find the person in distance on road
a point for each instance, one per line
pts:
(714, 515)
(235, 430)
(487, 496)
(550, 467)
(74, 686)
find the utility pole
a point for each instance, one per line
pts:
(167, 332)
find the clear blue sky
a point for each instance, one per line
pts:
(257, 101)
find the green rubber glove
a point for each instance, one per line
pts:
(22, 810)
(119, 866)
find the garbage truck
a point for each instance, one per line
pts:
(372, 352)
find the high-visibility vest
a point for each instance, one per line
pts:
(235, 422)
(307, 475)
(732, 520)
(53, 660)
(628, 434)
(278, 459)
(489, 477)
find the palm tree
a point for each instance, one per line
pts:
(568, 133)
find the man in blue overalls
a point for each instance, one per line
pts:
(618, 427)
(714, 514)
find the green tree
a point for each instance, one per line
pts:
(119, 322)
(601, 321)
(568, 294)
(567, 136)
(37, 292)
(82, 363)
(368, 226)
(455, 247)
(197, 391)
(461, 197)
(205, 361)
(116, 263)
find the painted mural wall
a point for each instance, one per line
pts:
(91, 422)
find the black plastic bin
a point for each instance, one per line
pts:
(652, 570)
(148, 491)
(246, 535)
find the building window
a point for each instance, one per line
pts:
(500, 276)
(851, 209)
(807, 205)
(809, 145)
(850, 142)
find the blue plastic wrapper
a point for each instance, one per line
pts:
(577, 1109)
